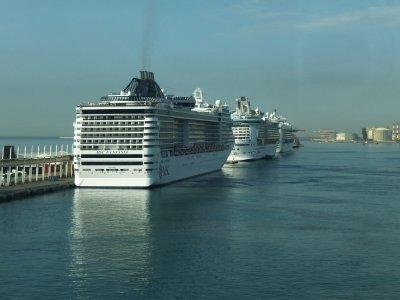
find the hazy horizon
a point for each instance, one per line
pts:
(322, 64)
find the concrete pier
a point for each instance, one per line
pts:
(34, 188)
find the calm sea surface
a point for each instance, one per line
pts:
(320, 223)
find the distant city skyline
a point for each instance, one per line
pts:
(322, 64)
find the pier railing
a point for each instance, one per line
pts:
(47, 163)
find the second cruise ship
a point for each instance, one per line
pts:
(140, 137)
(256, 137)
(286, 132)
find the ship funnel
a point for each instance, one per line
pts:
(198, 96)
(146, 75)
(243, 106)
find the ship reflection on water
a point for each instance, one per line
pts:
(142, 241)
(109, 232)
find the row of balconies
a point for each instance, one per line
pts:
(111, 123)
(116, 117)
(130, 135)
(98, 141)
(104, 147)
(113, 129)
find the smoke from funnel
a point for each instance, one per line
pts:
(149, 17)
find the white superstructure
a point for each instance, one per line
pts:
(286, 132)
(255, 136)
(141, 138)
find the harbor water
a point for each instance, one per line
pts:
(319, 223)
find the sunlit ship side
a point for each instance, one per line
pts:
(286, 133)
(141, 138)
(255, 136)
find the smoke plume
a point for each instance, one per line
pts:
(149, 18)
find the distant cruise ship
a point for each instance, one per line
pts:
(256, 137)
(141, 138)
(286, 133)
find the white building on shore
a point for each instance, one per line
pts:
(379, 134)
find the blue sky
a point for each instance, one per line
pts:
(323, 64)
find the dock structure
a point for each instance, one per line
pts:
(34, 173)
(34, 188)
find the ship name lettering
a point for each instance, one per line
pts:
(112, 151)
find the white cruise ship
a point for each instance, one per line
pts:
(286, 132)
(255, 136)
(141, 138)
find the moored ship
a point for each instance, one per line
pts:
(141, 138)
(286, 133)
(255, 136)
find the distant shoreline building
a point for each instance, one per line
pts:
(332, 136)
(396, 132)
(347, 137)
(379, 134)
(382, 134)
(364, 133)
(326, 135)
(370, 133)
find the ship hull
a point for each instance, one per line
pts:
(246, 153)
(284, 147)
(168, 170)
